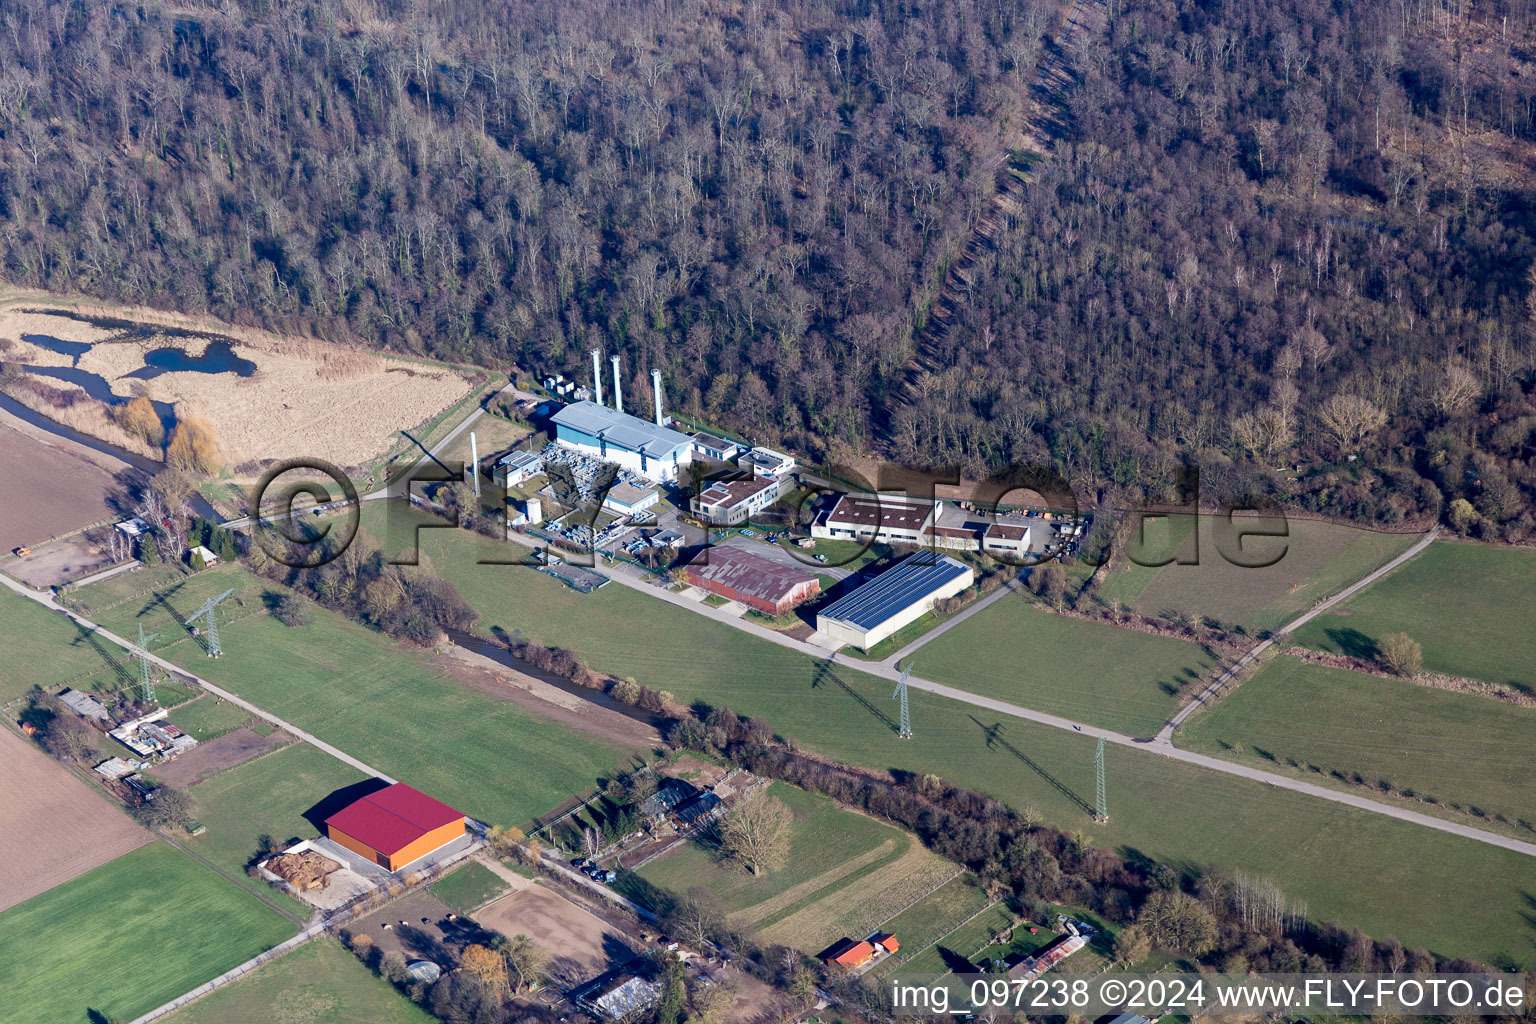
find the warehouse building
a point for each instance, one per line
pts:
(649, 449)
(887, 519)
(395, 827)
(897, 597)
(756, 582)
(728, 502)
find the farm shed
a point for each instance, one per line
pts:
(395, 827)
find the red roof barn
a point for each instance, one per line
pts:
(770, 587)
(396, 826)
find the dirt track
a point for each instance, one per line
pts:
(52, 826)
(209, 759)
(579, 945)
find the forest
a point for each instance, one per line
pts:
(1289, 242)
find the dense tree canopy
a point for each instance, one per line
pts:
(1266, 233)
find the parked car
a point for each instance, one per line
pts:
(610, 877)
(820, 557)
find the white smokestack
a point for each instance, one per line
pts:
(656, 388)
(618, 389)
(597, 378)
(474, 461)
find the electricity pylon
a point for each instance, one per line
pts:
(146, 680)
(1100, 808)
(211, 631)
(905, 732)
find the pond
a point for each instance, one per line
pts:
(217, 357)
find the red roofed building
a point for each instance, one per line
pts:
(756, 582)
(395, 827)
(851, 956)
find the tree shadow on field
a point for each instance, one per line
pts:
(955, 962)
(1353, 643)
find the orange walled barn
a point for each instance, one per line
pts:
(395, 827)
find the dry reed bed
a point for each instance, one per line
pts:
(307, 399)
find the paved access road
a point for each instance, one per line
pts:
(626, 576)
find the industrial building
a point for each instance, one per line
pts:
(717, 448)
(767, 462)
(653, 451)
(868, 518)
(897, 597)
(757, 582)
(395, 827)
(728, 502)
(515, 468)
(625, 499)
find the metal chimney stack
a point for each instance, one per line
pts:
(618, 389)
(597, 378)
(474, 462)
(656, 388)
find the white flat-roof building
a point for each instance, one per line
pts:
(652, 451)
(728, 502)
(517, 467)
(622, 498)
(767, 462)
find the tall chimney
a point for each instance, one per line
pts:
(474, 461)
(618, 389)
(656, 388)
(597, 378)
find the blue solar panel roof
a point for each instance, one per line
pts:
(898, 588)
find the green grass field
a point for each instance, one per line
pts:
(931, 918)
(962, 942)
(1453, 895)
(267, 796)
(469, 887)
(318, 983)
(206, 717)
(52, 649)
(1319, 559)
(391, 707)
(1467, 753)
(1471, 606)
(126, 937)
(844, 873)
(1087, 671)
